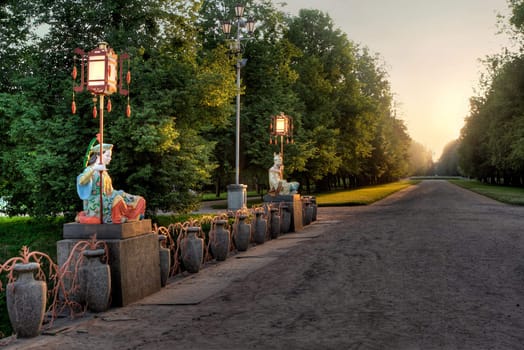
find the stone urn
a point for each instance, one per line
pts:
(192, 250)
(312, 200)
(315, 207)
(165, 261)
(307, 211)
(26, 301)
(96, 280)
(242, 235)
(285, 219)
(219, 240)
(259, 235)
(275, 222)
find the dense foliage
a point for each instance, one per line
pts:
(491, 145)
(421, 160)
(448, 163)
(180, 136)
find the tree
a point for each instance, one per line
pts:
(325, 78)
(448, 164)
(492, 146)
(473, 149)
(491, 142)
(420, 160)
(347, 117)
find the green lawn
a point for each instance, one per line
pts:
(361, 196)
(505, 194)
(36, 233)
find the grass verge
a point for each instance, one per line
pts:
(505, 194)
(361, 196)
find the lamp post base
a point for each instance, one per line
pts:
(236, 197)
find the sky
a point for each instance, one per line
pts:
(431, 50)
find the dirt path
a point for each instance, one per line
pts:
(432, 267)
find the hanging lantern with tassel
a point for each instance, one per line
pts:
(281, 126)
(103, 77)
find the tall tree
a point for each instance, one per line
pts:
(325, 64)
(497, 121)
(448, 162)
(473, 149)
(491, 142)
(420, 160)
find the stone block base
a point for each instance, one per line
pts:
(295, 206)
(134, 263)
(75, 230)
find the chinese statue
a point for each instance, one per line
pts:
(118, 206)
(277, 185)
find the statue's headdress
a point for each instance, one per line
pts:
(92, 148)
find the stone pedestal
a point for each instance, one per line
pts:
(236, 197)
(295, 206)
(107, 231)
(133, 256)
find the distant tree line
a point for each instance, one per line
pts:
(491, 144)
(180, 136)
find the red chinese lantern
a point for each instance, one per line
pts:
(102, 70)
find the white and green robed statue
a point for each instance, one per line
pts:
(277, 185)
(118, 206)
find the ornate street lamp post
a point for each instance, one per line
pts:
(281, 125)
(237, 193)
(103, 79)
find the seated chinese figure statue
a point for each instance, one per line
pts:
(277, 185)
(118, 206)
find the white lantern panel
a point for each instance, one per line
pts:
(281, 126)
(96, 69)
